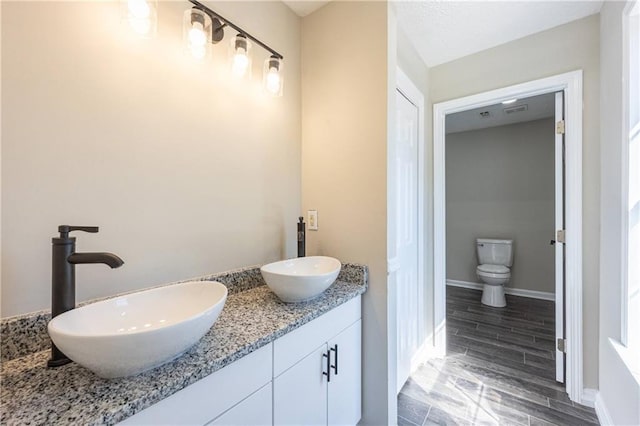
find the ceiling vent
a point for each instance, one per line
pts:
(485, 114)
(516, 108)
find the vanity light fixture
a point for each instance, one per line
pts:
(142, 15)
(510, 101)
(273, 76)
(240, 56)
(240, 46)
(197, 30)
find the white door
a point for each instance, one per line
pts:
(405, 212)
(300, 393)
(559, 246)
(345, 387)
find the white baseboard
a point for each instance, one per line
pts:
(465, 284)
(589, 397)
(601, 411)
(543, 295)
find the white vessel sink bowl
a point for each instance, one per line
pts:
(301, 279)
(129, 334)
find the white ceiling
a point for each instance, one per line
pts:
(303, 8)
(444, 30)
(537, 107)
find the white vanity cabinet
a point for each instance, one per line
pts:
(345, 388)
(310, 376)
(211, 397)
(300, 393)
(254, 410)
(321, 386)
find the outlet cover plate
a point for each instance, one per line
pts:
(312, 220)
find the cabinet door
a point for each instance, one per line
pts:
(300, 393)
(345, 387)
(253, 411)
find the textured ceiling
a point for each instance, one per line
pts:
(442, 30)
(304, 7)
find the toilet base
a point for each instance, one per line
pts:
(493, 295)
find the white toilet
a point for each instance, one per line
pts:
(494, 258)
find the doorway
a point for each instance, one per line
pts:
(570, 87)
(505, 183)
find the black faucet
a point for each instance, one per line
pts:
(63, 277)
(301, 237)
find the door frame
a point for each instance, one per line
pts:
(559, 213)
(409, 90)
(571, 84)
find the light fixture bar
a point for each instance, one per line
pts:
(234, 26)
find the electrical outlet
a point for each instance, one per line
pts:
(312, 220)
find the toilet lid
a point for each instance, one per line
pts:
(493, 269)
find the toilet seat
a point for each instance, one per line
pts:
(493, 275)
(493, 269)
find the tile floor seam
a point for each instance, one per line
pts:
(424, 422)
(408, 421)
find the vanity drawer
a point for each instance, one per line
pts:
(293, 346)
(256, 410)
(206, 399)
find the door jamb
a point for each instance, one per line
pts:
(571, 84)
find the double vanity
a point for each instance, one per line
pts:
(263, 362)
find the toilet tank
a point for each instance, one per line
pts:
(495, 252)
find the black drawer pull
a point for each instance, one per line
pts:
(328, 372)
(335, 365)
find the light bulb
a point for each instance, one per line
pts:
(197, 36)
(272, 75)
(273, 81)
(240, 56)
(196, 32)
(240, 63)
(139, 9)
(141, 15)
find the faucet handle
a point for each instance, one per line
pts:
(65, 229)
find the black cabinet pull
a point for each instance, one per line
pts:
(335, 366)
(328, 372)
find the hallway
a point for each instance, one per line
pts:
(499, 369)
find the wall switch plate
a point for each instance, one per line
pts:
(312, 220)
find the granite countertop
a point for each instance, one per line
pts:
(252, 317)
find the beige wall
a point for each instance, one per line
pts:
(344, 128)
(184, 172)
(500, 184)
(555, 51)
(619, 390)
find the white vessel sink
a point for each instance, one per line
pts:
(130, 334)
(301, 279)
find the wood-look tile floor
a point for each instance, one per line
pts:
(499, 369)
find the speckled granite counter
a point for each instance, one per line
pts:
(252, 317)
